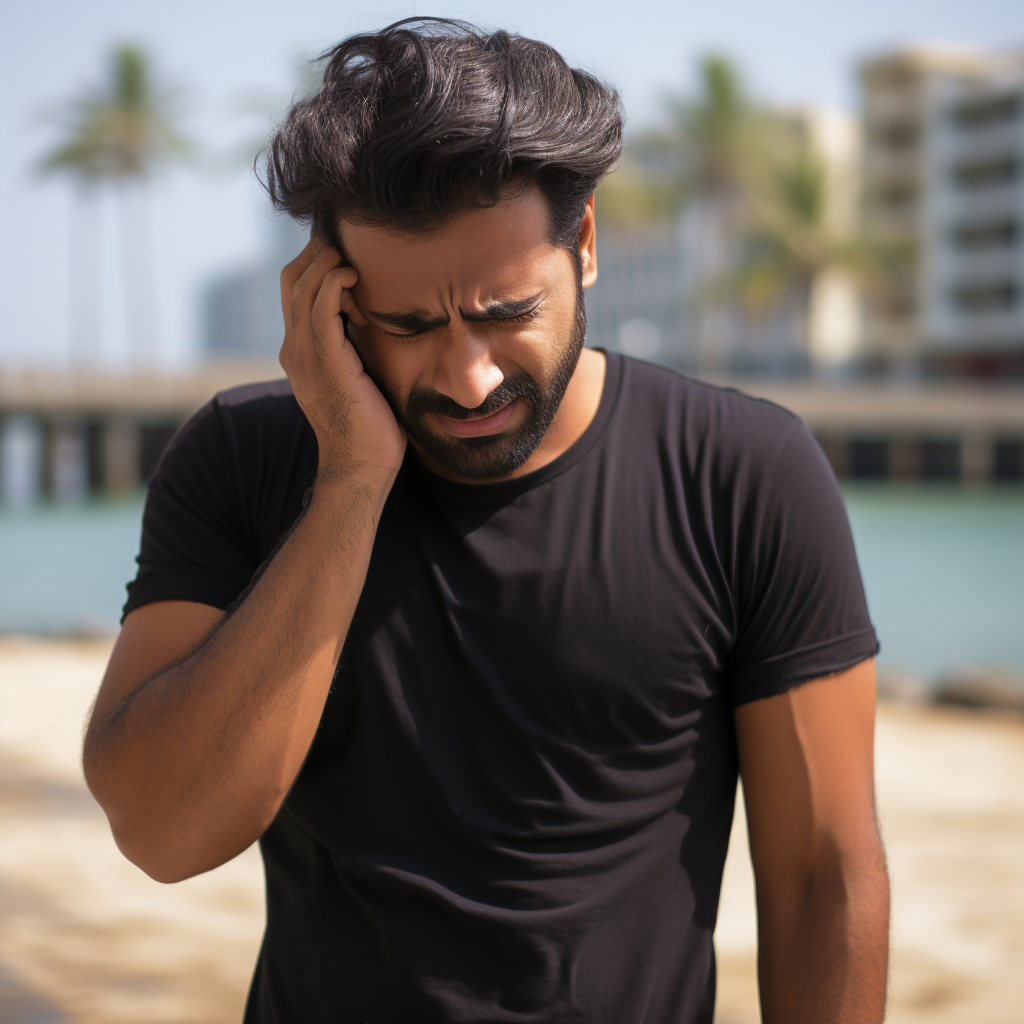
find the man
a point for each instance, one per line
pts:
(470, 626)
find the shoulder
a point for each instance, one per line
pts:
(241, 420)
(263, 395)
(245, 459)
(265, 406)
(710, 424)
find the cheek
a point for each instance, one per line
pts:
(399, 365)
(550, 339)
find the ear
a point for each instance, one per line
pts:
(588, 244)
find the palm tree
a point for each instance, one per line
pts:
(788, 242)
(794, 253)
(711, 145)
(121, 133)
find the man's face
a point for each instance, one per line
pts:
(474, 332)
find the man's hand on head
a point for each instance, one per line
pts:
(356, 431)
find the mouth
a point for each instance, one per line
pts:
(480, 425)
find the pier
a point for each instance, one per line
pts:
(68, 434)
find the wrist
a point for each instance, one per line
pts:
(364, 484)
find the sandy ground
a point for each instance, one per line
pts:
(86, 937)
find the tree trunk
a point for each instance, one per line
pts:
(85, 272)
(139, 273)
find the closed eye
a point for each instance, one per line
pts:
(502, 320)
(414, 334)
(521, 319)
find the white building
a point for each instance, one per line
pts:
(943, 163)
(973, 232)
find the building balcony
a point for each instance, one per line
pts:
(952, 204)
(957, 145)
(979, 267)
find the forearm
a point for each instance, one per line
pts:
(193, 765)
(823, 946)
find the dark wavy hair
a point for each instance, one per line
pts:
(430, 117)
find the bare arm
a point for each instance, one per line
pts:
(203, 721)
(806, 757)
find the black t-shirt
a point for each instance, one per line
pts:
(518, 801)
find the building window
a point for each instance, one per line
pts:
(985, 112)
(985, 298)
(993, 235)
(897, 135)
(896, 197)
(895, 305)
(985, 174)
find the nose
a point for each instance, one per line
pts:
(466, 371)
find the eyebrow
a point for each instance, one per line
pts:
(420, 321)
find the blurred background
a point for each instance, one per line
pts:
(823, 205)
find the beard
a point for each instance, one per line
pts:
(492, 455)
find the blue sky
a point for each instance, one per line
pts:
(792, 51)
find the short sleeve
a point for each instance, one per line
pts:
(193, 546)
(801, 608)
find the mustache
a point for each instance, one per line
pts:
(425, 400)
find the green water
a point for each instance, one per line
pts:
(63, 568)
(944, 572)
(943, 568)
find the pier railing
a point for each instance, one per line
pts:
(65, 434)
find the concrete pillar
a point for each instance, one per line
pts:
(977, 456)
(905, 458)
(121, 455)
(21, 460)
(69, 459)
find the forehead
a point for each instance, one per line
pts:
(480, 253)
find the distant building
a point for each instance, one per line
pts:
(657, 295)
(663, 293)
(943, 165)
(242, 309)
(637, 305)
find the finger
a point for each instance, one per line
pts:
(298, 266)
(350, 308)
(308, 286)
(290, 275)
(349, 277)
(328, 331)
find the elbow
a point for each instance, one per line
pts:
(172, 848)
(138, 838)
(151, 851)
(164, 828)
(161, 857)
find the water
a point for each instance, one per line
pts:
(63, 567)
(944, 572)
(943, 569)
